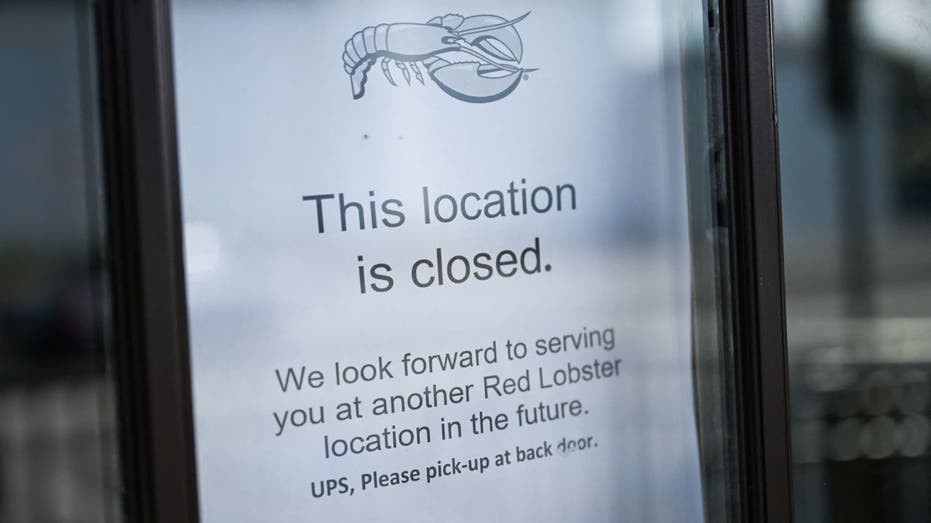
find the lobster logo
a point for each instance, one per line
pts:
(442, 45)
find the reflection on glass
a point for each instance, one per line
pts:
(57, 422)
(854, 87)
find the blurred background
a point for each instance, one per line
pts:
(57, 424)
(854, 96)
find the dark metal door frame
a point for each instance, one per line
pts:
(752, 150)
(148, 275)
(150, 311)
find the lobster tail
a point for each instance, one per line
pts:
(364, 46)
(360, 52)
(358, 79)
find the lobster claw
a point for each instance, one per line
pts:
(500, 41)
(475, 82)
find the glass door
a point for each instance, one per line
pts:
(439, 264)
(509, 261)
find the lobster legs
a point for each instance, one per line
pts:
(385, 61)
(386, 70)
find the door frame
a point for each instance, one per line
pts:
(758, 280)
(147, 274)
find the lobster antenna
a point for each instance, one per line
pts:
(494, 26)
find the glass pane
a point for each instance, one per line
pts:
(58, 451)
(454, 267)
(854, 86)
